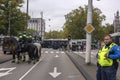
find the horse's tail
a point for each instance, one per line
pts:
(38, 45)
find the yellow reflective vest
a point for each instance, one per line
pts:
(102, 60)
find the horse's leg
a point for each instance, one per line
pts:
(18, 52)
(13, 56)
(30, 56)
(18, 57)
(36, 56)
(39, 52)
(24, 58)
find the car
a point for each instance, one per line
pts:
(5, 47)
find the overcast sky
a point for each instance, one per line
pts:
(56, 9)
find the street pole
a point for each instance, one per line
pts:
(88, 35)
(9, 25)
(9, 18)
(27, 15)
(41, 25)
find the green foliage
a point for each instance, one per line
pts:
(31, 31)
(76, 21)
(54, 35)
(10, 11)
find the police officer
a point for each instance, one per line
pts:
(23, 37)
(29, 38)
(98, 74)
(108, 59)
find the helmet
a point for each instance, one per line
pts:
(24, 32)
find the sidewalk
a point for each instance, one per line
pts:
(4, 57)
(89, 71)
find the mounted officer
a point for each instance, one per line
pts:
(29, 38)
(22, 37)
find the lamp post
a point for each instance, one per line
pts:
(41, 26)
(9, 5)
(88, 35)
(27, 15)
(50, 28)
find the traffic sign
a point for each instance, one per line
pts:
(89, 28)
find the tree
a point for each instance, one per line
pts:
(54, 35)
(76, 21)
(10, 13)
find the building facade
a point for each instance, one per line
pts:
(37, 24)
(116, 22)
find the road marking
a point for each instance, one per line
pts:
(46, 51)
(30, 69)
(62, 52)
(54, 74)
(51, 52)
(56, 56)
(57, 51)
(7, 71)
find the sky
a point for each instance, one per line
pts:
(55, 10)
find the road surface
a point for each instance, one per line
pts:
(53, 65)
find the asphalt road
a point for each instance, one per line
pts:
(53, 65)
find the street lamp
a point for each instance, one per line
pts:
(27, 15)
(88, 35)
(41, 26)
(50, 28)
(9, 6)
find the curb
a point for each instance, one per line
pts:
(5, 59)
(80, 66)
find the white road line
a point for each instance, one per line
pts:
(30, 69)
(57, 51)
(51, 52)
(46, 51)
(62, 52)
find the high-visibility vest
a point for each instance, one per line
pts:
(20, 36)
(102, 60)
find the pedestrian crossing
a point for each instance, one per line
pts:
(83, 54)
(51, 52)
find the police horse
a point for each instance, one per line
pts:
(12, 44)
(33, 50)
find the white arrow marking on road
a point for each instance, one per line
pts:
(4, 74)
(7, 71)
(54, 74)
(56, 56)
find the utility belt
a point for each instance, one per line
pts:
(115, 64)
